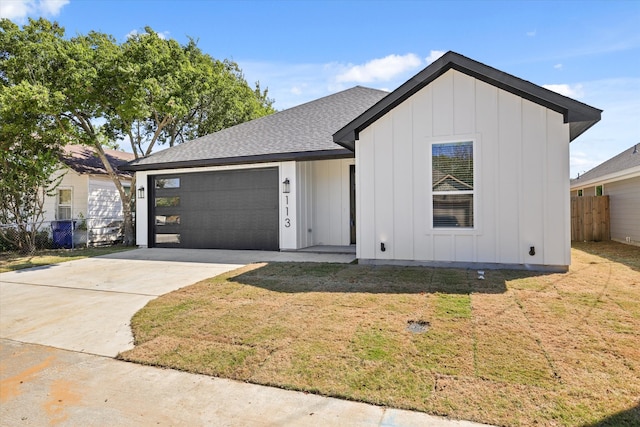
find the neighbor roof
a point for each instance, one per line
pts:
(299, 133)
(84, 160)
(579, 116)
(628, 160)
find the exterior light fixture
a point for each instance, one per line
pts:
(141, 193)
(286, 186)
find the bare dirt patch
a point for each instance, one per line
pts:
(518, 348)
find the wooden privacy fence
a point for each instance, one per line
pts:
(590, 219)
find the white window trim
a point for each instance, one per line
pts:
(58, 205)
(475, 139)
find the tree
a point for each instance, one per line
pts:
(171, 93)
(30, 138)
(147, 90)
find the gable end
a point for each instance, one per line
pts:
(580, 116)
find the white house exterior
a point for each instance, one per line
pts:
(618, 178)
(86, 192)
(520, 197)
(357, 167)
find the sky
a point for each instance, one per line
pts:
(302, 50)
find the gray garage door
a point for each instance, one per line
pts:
(216, 210)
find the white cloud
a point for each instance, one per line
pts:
(434, 55)
(15, 9)
(572, 91)
(296, 90)
(131, 33)
(20, 9)
(380, 69)
(531, 33)
(163, 35)
(558, 66)
(52, 7)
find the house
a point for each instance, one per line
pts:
(618, 178)
(463, 165)
(86, 193)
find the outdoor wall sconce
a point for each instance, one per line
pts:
(286, 186)
(141, 193)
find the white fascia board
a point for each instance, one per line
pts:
(605, 179)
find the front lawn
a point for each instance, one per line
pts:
(518, 348)
(10, 261)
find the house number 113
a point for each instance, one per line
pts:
(287, 221)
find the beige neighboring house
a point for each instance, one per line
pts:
(86, 192)
(618, 178)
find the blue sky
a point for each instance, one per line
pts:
(302, 50)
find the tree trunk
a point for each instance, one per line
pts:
(129, 238)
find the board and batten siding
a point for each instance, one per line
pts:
(323, 202)
(521, 157)
(624, 200)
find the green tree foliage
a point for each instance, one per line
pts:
(147, 90)
(29, 136)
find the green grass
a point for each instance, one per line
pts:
(519, 348)
(11, 261)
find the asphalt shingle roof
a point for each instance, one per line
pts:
(625, 160)
(302, 131)
(84, 160)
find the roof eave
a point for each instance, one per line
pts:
(627, 173)
(575, 112)
(227, 161)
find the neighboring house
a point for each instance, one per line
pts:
(618, 178)
(86, 192)
(462, 165)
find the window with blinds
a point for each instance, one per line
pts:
(65, 203)
(452, 186)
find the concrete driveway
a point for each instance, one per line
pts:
(61, 325)
(86, 305)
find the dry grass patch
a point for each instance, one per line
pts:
(10, 261)
(518, 348)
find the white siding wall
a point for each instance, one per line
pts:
(288, 206)
(522, 178)
(624, 205)
(79, 185)
(142, 210)
(103, 200)
(304, 176)
(323, 202)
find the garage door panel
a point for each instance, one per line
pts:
(227, 209)
(228, 220)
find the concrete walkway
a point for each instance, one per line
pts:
(61, 325)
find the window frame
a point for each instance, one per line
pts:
(64, 205)
(474, 139)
